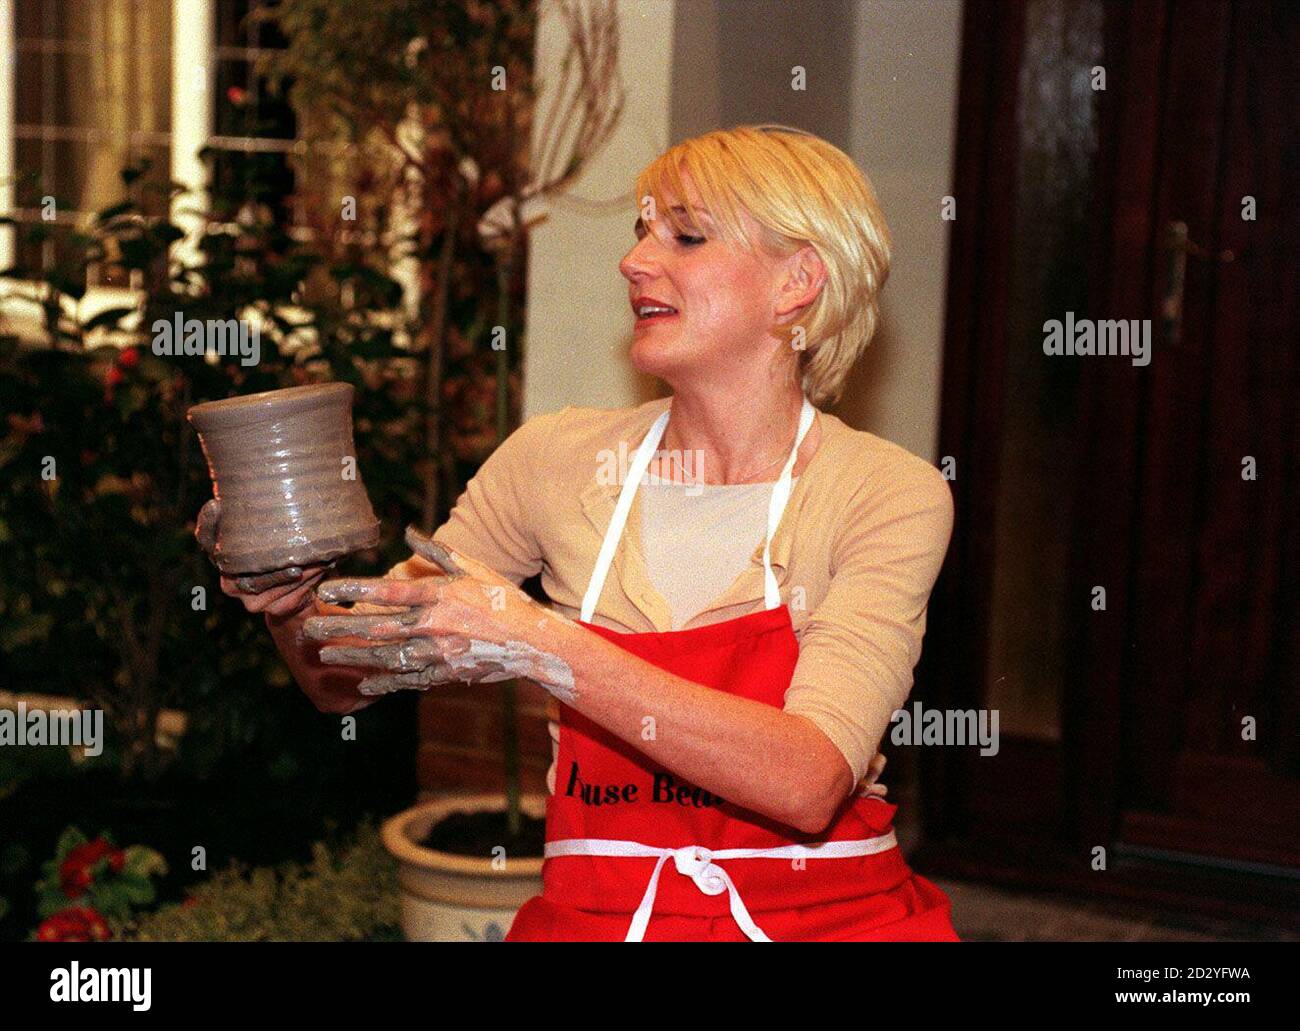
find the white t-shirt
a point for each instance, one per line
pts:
(697, 538)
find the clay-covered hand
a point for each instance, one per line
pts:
(280, 592)
(283, 592)
(464, 623)
(424, 662)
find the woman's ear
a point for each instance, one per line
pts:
(803, 278)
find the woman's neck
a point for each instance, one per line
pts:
(732, 441)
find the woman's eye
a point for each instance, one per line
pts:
(688, 240)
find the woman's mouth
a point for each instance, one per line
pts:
(647, 309)
(656, 316)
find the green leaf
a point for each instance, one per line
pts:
(142, 861)
(111, 900)
(136, 890)
(68, 840)
(51, 900)
(132, 400)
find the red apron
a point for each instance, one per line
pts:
(634, 852)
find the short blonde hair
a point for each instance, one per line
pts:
(801, 190)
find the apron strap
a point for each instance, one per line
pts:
(776, 507)
(641, 462)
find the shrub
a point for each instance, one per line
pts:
(345, 893)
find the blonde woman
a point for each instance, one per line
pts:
(738, 580)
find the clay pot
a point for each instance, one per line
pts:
(284, 471)
(449, 898)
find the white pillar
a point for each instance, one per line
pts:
(193, 75)
(579, 324)
(8, 120)
(904, 102)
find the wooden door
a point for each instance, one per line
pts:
(1209, 752)
(1161, 726)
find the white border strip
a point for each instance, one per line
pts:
(8, 122)
(193, 79)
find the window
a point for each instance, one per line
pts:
(93, 86)
(91, 91)
(254, 132)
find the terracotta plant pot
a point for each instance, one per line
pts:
(283, 467)
(446, 897)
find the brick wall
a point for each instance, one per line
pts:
(460, 738)
(460, 733)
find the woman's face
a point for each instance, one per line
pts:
(725, 299)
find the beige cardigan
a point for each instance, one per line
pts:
(856, 554)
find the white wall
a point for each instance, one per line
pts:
(579, 324)
(904, 103)
(882, 85)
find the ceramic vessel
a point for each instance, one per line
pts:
(446, 897)
(283, 468)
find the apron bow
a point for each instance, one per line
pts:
(697, 863)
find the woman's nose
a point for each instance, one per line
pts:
(639, 261)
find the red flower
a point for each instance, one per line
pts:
(74, 872)
(129, 358)
(113, 376)
(236, 95)
(74, 924)
(74, 881)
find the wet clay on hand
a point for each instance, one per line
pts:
(283, 467)
(423, 662)
(420, 662)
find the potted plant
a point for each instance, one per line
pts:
(436, 106)
(462, 875)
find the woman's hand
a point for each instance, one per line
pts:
(284, 592)
(281, 592)
(463, 623)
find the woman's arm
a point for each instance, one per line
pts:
(859, 646)
(854, 669)
(857, 653)
(754, 755)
